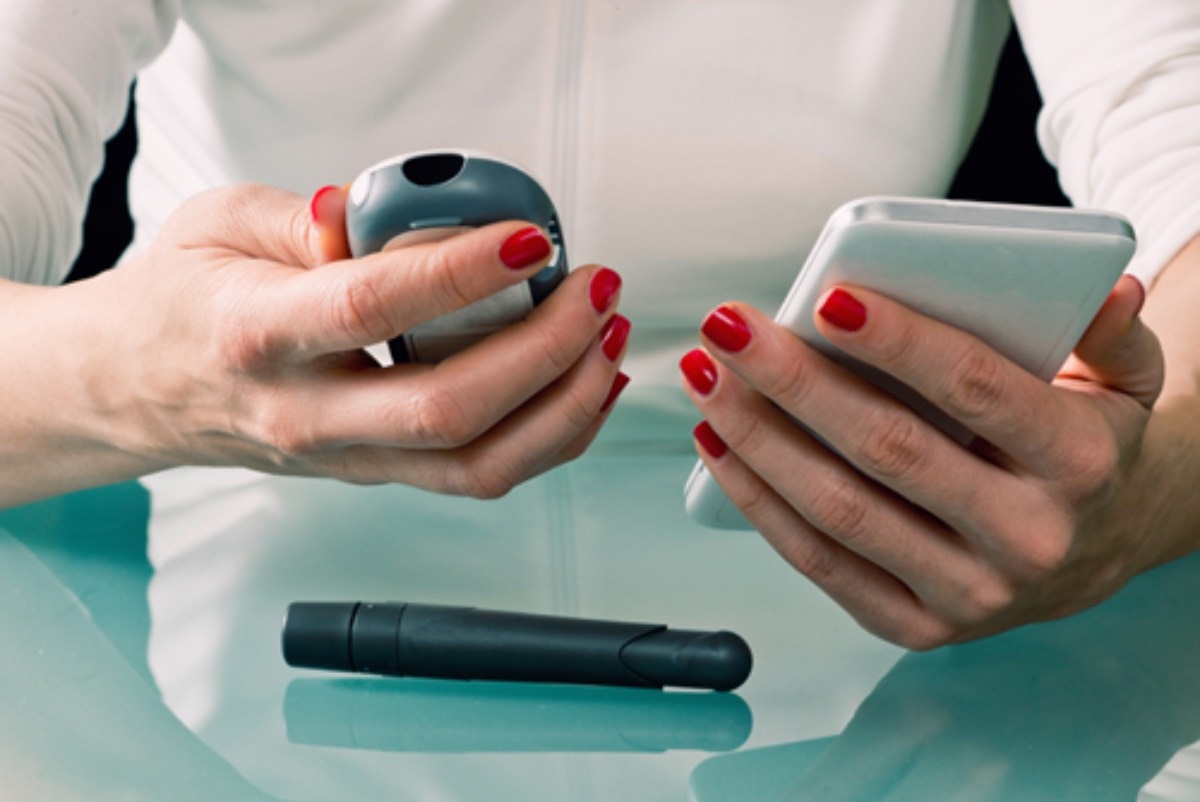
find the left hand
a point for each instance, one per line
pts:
(922, 540)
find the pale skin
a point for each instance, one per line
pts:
(238, 338)
(1071, 488)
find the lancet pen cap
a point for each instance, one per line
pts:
(317, 635)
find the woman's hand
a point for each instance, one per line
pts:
(238, 338)
(925, 541)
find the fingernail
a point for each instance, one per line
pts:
(614, 392)
(613, 336)
(699, 370)
(1141, 295)
(709, 440)
(603, 289)
(314, 205)
(843, 310)
(524, 248)
(727, 329)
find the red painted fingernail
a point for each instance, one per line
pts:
(1141, 295)
(844, 310)
(700, 371)
(709, 440)
(314, 205)
(727, 329)
(614, 392)
(603, 289)
(524, 248)
(613, 336)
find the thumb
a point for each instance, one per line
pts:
(264, 222)
(1118, 350)
(328, 212)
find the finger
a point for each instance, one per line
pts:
(954, 371)
(579, 445)
(879, 436)
(254, 220)
(875, 598)
(449, 405)
(1118, 351)
(358, 303)
(554, 427)
(837, 500)
(327, 208)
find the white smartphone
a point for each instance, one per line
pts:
(1027, 280)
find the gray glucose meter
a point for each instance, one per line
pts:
(447, 189)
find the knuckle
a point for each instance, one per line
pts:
(579, 409)
(245, 349)
(487, 478)
(285, 433)
(555, 347)
(1090, 463)
(301, 230)
(812, 557)
(438, 419)
(790, 384)
(356, 309)
(841, 509)
(436, 268)
(746, 433)
(1043, 556)
(212, 215)
(234, 201)
(238, 208)
(975, 385)
(985, 599)
(241, 196)
(576, 449)
(243, 343)
(926, 636)
(894, 445)
(754, 500)
(902, 346)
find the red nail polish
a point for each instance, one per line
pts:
(844, 310)
(613, 336)
(727, 329)
(700, 371)
(709, 440)
(619, 384)
(603, 289)
(1141, 295)
(524, 248)
(314, 205)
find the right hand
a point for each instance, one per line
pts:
(238, 338)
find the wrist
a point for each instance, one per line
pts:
(56, 432)
(1167, 520)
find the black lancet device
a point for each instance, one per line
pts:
(466, 643)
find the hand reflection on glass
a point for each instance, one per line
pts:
(1085, 709)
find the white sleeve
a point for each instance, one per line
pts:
(1121, 85)
(65, 71)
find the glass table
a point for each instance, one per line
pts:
(141, 654)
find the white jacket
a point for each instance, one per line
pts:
(695, 147)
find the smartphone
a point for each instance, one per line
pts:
(1027, 280)
(426, 194)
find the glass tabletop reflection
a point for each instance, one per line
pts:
(141, 654)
